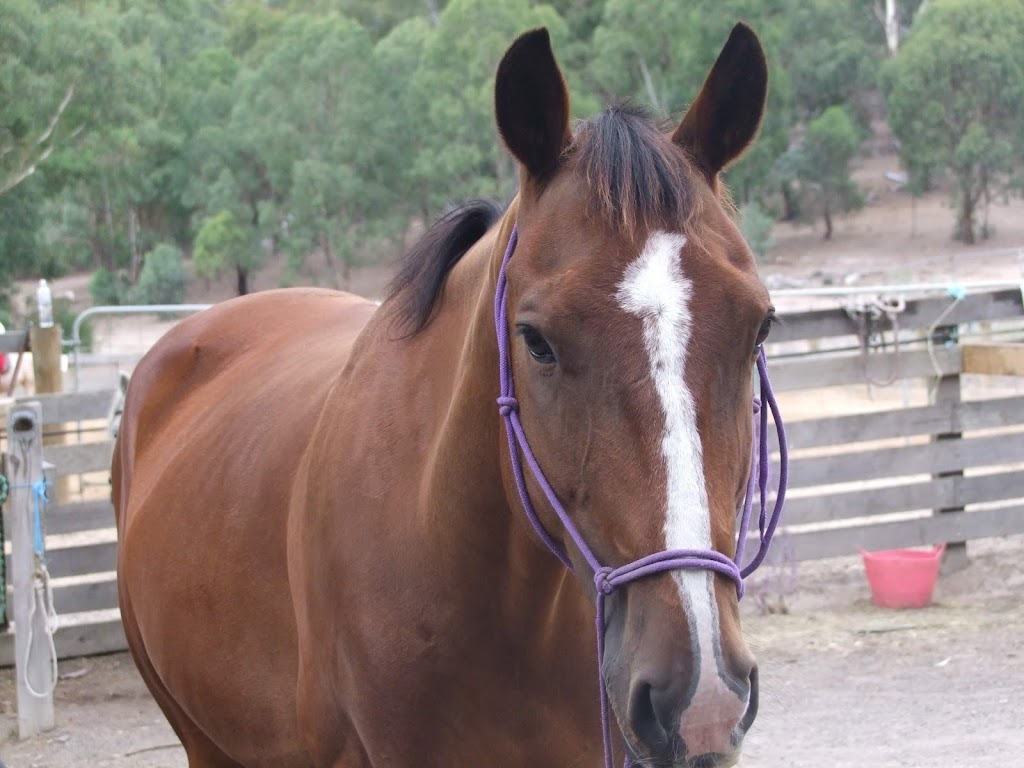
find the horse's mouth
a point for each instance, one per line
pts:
(638, 760)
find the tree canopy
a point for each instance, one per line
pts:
(956, 100)
(322, 132)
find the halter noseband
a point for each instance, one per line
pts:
(606, 579)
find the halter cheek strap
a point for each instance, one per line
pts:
(606, 579)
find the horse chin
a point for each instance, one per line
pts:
(638, 759)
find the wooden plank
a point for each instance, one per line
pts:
(81, 560)
(953, 526)
(82, 598)
(74, 406)
(919, 314)
(1004, 359)
(82, 516)
(947, 492)
(850, 368)
(81, 458)
(106, 636)
(905, 422)
(13, 342)
(925, 459)
(35, 676)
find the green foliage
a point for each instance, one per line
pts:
(224, 243)
(831, 141)
(19, 221)
(756, 227)
(162, 280)
(955, 96)
(325, 130)
(825, 63)
(460, 155)
(107, 288)
(64, 315)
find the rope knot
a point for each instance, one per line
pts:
(602, 580)
(507, 405)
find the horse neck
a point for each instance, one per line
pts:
(470, 512)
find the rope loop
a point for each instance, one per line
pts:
(42, 602)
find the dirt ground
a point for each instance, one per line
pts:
(844, 684)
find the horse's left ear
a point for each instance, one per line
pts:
(724, 118)
(531, 104)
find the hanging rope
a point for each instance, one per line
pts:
(42, 591)
(866, 312)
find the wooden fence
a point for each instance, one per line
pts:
(80, 537)
(936, 456)
(944, 468)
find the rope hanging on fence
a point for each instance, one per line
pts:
(866, 312)
(42, 590)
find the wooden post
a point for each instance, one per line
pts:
(947, 390)
(46, 355)
(25, 467)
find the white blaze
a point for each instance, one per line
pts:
(654, 288)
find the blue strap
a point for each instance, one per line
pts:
(39, 499)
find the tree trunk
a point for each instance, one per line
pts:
(967, 220)
(133, 226)
(108, 219)
(652, 92)
(243, 280)
(892, 27)
(790, 207)
(346, 275)
(828, 221)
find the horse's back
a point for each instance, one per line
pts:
(215, 421)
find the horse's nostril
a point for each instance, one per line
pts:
(751, 713)
(645, 717)
(665, 705)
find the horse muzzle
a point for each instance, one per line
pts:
(675, 727)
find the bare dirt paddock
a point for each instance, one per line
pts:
(843, 683)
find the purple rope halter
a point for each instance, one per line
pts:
(606, 579)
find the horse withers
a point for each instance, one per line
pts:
(336, 562)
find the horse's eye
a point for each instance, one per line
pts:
(763, 331)
(539, 349)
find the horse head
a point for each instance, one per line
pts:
(636, 317)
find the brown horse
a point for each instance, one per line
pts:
(339, 572)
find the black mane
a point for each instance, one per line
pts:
(418, 283)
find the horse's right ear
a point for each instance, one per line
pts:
(531, 104)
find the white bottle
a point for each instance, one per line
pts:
(44, 300)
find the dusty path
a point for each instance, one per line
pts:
(844, 683)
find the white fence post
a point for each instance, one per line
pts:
(33, 659)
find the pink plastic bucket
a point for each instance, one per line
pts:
(903, 578)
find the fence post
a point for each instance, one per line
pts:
(46, 354)
(25, 467)
(947, 390)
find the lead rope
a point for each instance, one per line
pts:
(607, 580)
(42, 593)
